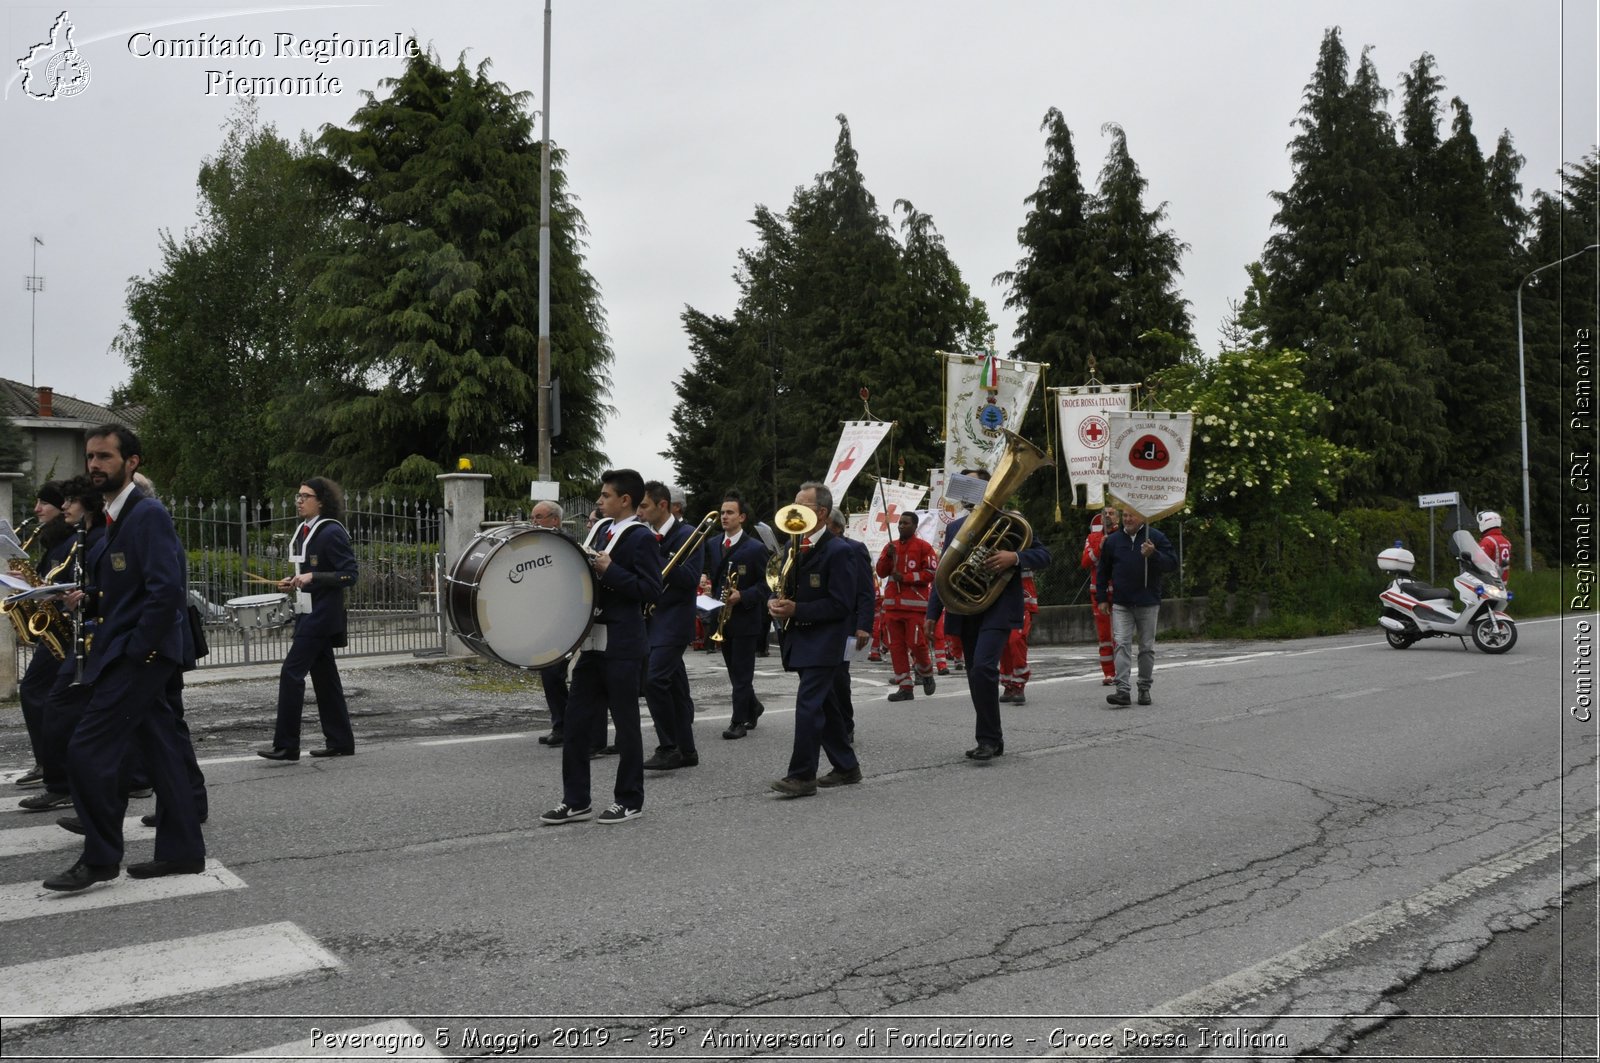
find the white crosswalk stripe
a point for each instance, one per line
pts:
(48, 837)
(98, 982)
(29, 900)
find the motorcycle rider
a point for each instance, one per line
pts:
(1494, 542)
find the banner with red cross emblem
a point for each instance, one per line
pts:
(1148, 461)
(856, 444)
(890, 498)
(1081, 418)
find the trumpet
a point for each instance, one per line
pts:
(722, 614)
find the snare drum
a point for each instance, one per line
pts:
(259, 611)
(521, 595)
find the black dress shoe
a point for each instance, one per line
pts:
(81, 876)
(984, 751)
(160, 868)
(736, 731)
(554, 738)
(278, 754)
(664, 760)
(316, 753)
(74, 824)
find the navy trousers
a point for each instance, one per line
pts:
(34, 692)
(983, 681)
(309, 654)
(666, 693)
(818, 726)
(554, 680)
(739, 654)
(602, 684)
(127, 710)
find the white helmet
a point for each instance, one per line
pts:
(1488, 519)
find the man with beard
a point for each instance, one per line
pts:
(136, 576)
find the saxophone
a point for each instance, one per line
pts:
(965, 587)
(21, 613)
(47, 622)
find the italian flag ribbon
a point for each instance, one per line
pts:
(989, 375)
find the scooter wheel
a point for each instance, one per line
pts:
(1398, 639)
(1487, 638)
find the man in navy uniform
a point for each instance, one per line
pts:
(671, 629)
(141, 640)
(866, 610)
(627, 567)
(738, 565)
(984, 635)
(818, 616)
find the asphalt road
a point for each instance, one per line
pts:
(1258, 866)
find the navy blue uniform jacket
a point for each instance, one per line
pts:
(749, 618)
(866, 584)
(823, 586)
(672, 623)
(137, 574)
(332, 563)
(1006, 613)
(631, 581)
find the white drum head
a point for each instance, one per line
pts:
(252, 600)
(533, 595)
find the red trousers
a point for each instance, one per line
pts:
(907, 641)
(1014, 670)
(1102, 630)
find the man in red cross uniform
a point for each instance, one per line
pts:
(1106, 523)
(1014, 670)
(908, 565)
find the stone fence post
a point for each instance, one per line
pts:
(463, 513)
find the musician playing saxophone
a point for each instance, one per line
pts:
(55, 535)
(984, 635)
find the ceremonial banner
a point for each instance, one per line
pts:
(890, 498)
(977, 409)
(940, 512)
(856, 444)
(1148, 461)
(1081, 420)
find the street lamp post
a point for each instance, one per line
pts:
(35, 284)
(1522, 385)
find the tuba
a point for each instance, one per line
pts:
(964, 585)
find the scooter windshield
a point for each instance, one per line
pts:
(1473, 558)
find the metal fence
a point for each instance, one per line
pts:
(234, 546)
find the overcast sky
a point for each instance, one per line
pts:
(680, 117)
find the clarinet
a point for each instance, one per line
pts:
(80, 646)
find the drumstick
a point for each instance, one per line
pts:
(262, 579)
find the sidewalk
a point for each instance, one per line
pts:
(269, 669)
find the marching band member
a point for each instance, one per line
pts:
(817, 620)
(56, 534)
(137, 573)
(627, 569)
(984, 635)
(671, 629)
(738, 565)
(908, 565)
(325, 564)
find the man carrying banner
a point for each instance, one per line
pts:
(908, 565)
(1132, 560)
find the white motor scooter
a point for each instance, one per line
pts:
(1414, 611)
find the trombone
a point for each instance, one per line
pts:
(695, 540)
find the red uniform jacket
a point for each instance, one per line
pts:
(915, 563)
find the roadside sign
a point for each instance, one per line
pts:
(1443, 498)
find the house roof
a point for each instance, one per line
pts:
(19, 402)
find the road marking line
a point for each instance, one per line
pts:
(1276, 972)
(28, 900)
(1358, 693)
(48, 837)
(342, 1045)
(1447, 675)
(96, 982)
(475, 738)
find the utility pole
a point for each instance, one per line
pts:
(35, 285)
(544, 261)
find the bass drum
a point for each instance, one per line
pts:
(521, 595)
